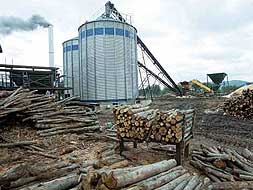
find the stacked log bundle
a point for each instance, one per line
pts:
(50, 116)
(134, 122)
(141, 123)
(160, 175)
(224, 164)
(241, 106)
(172, 126)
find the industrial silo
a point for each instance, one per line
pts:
(71, 66)
(108, 61)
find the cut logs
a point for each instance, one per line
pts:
(49, 116)
(160, 175)
(223, 164)
(172, 126)
(134, 122)
(241, 106)
(141, 123)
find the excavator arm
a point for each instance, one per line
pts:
(202, 85)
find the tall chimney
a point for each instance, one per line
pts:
(51, 45)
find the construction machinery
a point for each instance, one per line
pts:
(187, 86)
(201, 85)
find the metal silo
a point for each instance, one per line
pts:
(108, 61)
(71, 66)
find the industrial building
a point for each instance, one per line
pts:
(108, 64)
(32, 77)
(71, 67)
(107, 61)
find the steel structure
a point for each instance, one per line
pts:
(168, 82)
(32, 77)
(71, 66)
(108, 60)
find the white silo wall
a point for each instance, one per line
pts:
(108, 61)
(71, 66)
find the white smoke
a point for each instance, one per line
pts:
(11, 24)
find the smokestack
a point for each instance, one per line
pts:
(51, 45)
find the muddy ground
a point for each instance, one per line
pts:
(211, 128)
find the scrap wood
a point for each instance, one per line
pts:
(223, 164)
(231, 185)
(20, 143)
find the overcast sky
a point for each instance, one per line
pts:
(189, 37)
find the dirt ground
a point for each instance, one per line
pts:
(211, 128)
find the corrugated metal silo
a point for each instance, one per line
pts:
(71, 66)
(108, 61)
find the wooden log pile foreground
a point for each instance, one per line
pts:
(159, 176)
(224, 165)
(108, 171)
(241, 106)
(141, 123)
(49, 116)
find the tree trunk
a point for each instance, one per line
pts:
(118, 181)
(174, 183)
(159, 180)
(231, 185)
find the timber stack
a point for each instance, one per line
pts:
(172, 126)
(141, 123)
(241, 106)
(160, 175)
(224, 165)
(46, 114)
(134, 122)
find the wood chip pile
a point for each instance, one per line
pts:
(144, 124)
(224, 164)
(241, 106)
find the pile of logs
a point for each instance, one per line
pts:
(50, 116)
(41, 175)
(172, 126)
(241, 106)
(61, 174)
(134, 122)
(224, 164)
(141, 123)
(160, 175)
